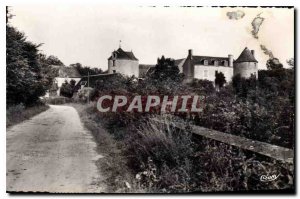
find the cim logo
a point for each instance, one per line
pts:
(267, 178)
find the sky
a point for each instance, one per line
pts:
(88, 34)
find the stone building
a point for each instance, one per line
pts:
(205, 67)
(246, 64)
(123, 62)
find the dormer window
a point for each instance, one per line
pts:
(114, 55)
(205, 62)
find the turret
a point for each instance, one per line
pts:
(246, 64)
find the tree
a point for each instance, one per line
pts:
(219, 79)
(164, 78)
(243, 86)
(67, 89)
(274, 64)
(85, 70)
(202, 86)
(52, 60)
(291, 62)
(26, 79)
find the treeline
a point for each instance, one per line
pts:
(28, 72)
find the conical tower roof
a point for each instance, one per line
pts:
(246, 56)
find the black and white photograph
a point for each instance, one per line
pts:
(128, 99)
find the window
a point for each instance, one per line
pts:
(205, 73)
(216, 63)
(114, 62)
(114, 71)
(225, 63)
(205, 62)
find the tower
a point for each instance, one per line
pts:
(188, 67)
(123, 62)
(246, 64)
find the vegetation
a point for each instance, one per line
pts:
(166, 159)
(28, 75)
(18, 113)
(85, 70)
(219, 79)
(67, 89)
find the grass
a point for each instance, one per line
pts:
(113, 166)
(165, 159)
(18, 113)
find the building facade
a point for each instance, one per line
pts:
(123, 62)
(205, 67)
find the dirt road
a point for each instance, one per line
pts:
(52, 152)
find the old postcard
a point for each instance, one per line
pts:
(150, 99)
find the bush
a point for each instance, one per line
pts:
(18, 113)
(167, 159)
(58, 100)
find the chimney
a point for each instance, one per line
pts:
(230, 57)
(253, 53)
(190, 52)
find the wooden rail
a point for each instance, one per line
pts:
(273, 151)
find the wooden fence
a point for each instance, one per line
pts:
(266, 149)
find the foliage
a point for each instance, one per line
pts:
(85, 70)
(67, 89)
(291, 62)
(273, 64)
(85, 94)
(220, 79)
(164, 79)
(27, 73)
(52, 60)
(18, 113)
(166, 159)
(203, 87)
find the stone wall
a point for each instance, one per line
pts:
(245, 69)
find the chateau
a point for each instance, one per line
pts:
(193, 66)
(205, 67)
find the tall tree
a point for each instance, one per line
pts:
(219, 79)
(26, 79)
(52, 60)
(274, 64)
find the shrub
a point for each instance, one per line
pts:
(18, 113)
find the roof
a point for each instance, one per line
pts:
(64, 71)
(178, 61)
(143, 69)
(94, 78)
(121, 54)
(246, 56)
(197, 60)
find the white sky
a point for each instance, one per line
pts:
(88, 34)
